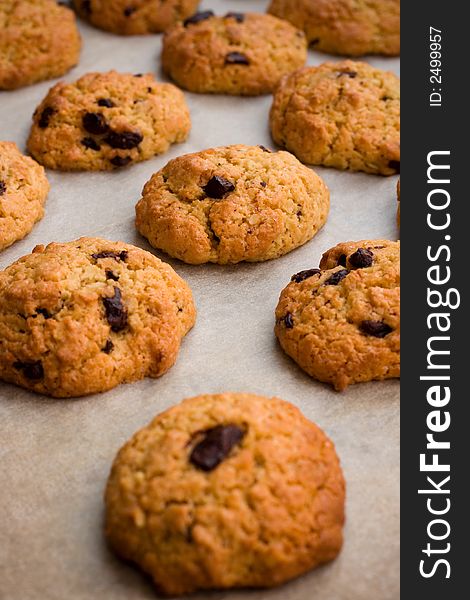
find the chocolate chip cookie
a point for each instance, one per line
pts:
(106, 121)
(84, 316)
(23, 191)
(232, 204)
(225, 491)
(344, 115)
(350, 27)
(341, 322)
(240, 54)
(131, 17)
(39, 40)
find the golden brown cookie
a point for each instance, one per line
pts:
(39, 40)
(84, 316)
(349, 27)
(106, 121)
(341, 323)
(232, 204)
(23, 191)
(225, 491)
(131, 17)
(240, 54)
(344, 115)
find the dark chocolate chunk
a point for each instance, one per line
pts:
(218, 187)
(198, 17)
(86, 6)
(3, 188)
(120, 161)
(264, 149)
(31, 369)
(129, 11)
(44, 312)
(94, 123)
(351, 74)
(90, 143)
(342, 260)
(263, 184)
(111, 254)
(116, 313)
(125, 140)
(239, 17)
(46, 117)
(106, 102)
(303, 275)
(236, 58)
(361, 259)
(111, 275)
(375, 328)
(337, 277)
(108, 347)
(288, 321)
(215, 446)
(394, 164)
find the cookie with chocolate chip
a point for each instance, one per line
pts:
(232, 204)
(239, 53)
(344, 115)
(133, 17)
(23, 191)
(226, 491)
(348, 27)
(84, 316)
(39, 40)
(341, 322)
(106, 121)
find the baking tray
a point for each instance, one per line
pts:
(55, 455)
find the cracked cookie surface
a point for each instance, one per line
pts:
(226, 490)
(132, 17)
(344, 115)
(341, 323)
(349, 27)
(232, 204)
(84, 316)
(23, 191)
(239, 54)
(106, 121)
(39, 40)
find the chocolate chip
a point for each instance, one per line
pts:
(299, 213)
(236, 58)
(125, 140)
(342, 260)
(215, 446)
(263, 184)
(31, 369)
(107, 102)
(361, 259)
(375, 328)
(394, 164)
(46, 117)
(44, 312)
(138, 75)
(111, 275)
(94, 123)
(337, 277)
(288, 321)
(198, 17)
(264, 149)
(108, 347)
(86, 6)
(315, 41)
(116, 313)
(303, 275)
(3, 188)
(351, 74)
(239, 17)
(120, 161)
(111, 254)
(129, 11)
(149, 90)
(218, 187)
(90, 143)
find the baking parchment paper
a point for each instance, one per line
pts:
(55, 455)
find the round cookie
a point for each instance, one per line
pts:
(344, 115)
(84, 316)
(240, 54)
(226, 491)
(341, 323)
(132, 17)
(106, 121)
(349, 27)
(39, 40)
(232, 204)
(23, 191)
